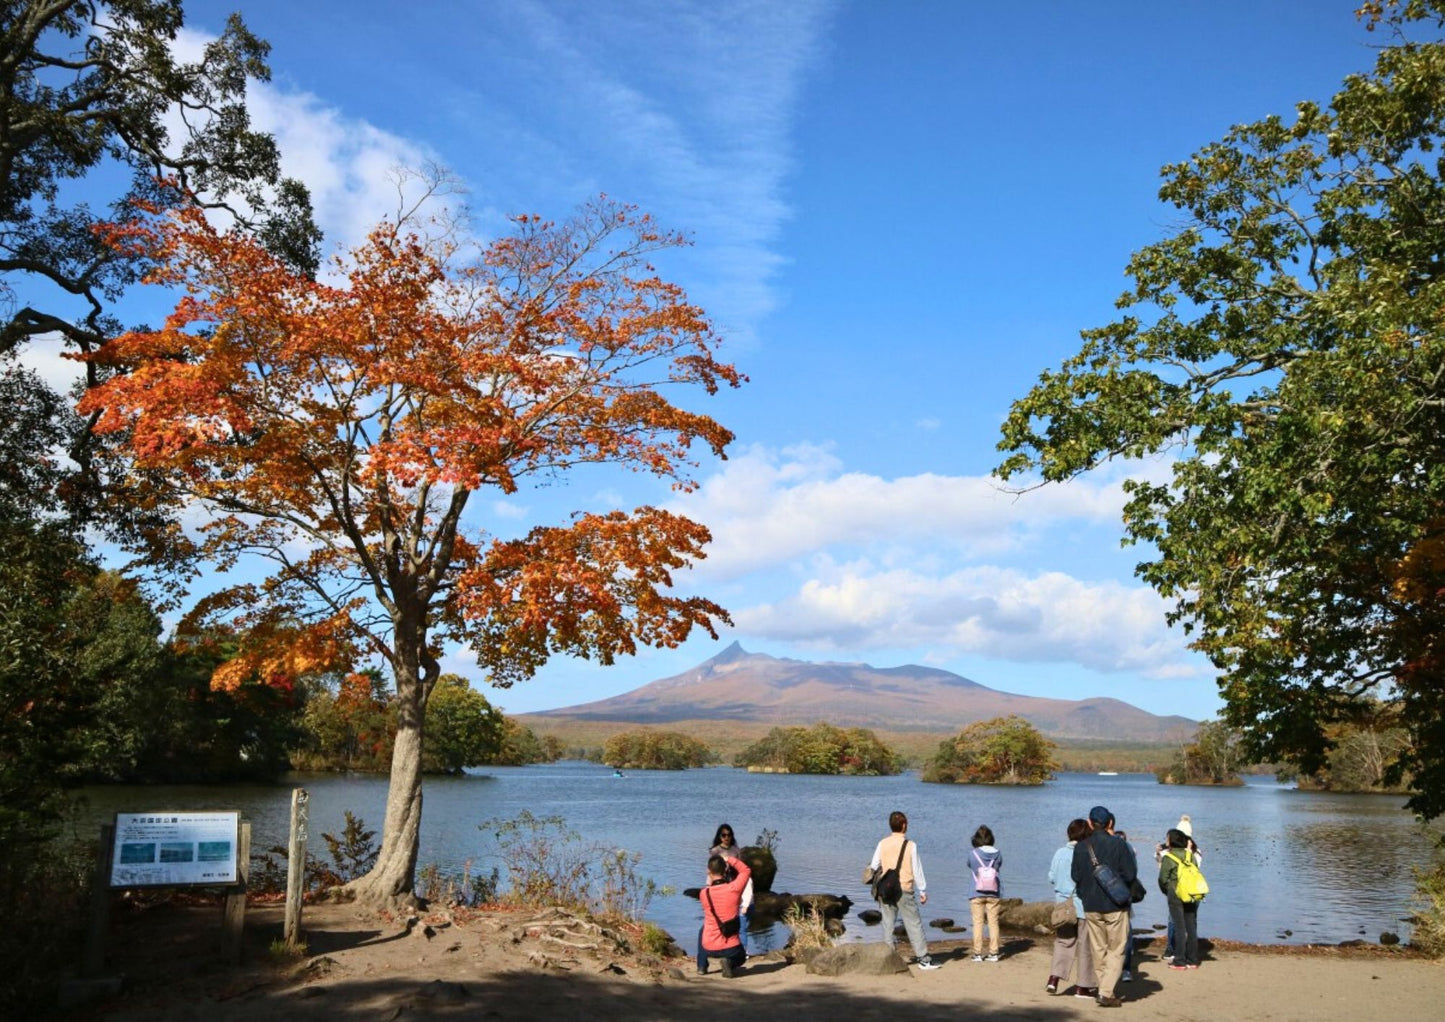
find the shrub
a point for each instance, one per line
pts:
(1429, 920)
(809, 929)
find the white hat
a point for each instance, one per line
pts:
(1185, 826)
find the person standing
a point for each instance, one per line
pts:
(725, 843)
(985, 861)
(1105, 919)
(721, 921)
(1183, 916)
(898, 851)
(1185, 827)
(1071, 942)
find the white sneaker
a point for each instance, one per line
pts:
(926, 963)
(978, 958)
(992, 958)
(1128, 976)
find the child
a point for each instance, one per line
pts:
(984, 863)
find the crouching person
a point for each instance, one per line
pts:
(721, 922)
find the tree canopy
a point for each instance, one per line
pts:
(96, 91)
(1283, 346)
(338, 431)
(655, 750)
(821, 749)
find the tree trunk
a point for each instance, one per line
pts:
(390, 883)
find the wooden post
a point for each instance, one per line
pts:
(95, 939)
(296, 867)
(234, 918)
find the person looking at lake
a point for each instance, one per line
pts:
(1183, 916)
(721, 924)
(1127, 976)
(1106, 920)
(1186, 827)
(897, 851)
(725, 844)
(984, 863)
(1071, 942)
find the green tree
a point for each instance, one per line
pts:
(87, 90)
(1215, 756)
(1004, 750)
(821, 749)
(462, 728)
(520, 746)
(655, 750)
(1283, 344)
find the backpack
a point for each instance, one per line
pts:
(888, 885)
(1191, 885)
(985, 878)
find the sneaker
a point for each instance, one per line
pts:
(1166, 958)
(727, 967)
(978, 958)
(1052, 986)
(1193, 965)
(991, 958)
(926, 962)
(1092, 993)
(1128, 976)
(1110, 1002)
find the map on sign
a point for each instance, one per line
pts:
(173, 848)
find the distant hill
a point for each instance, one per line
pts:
(756, 688)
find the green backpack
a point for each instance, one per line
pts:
(1191, 885)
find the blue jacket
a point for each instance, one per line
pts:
(1061, 876)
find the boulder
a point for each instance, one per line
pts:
(1389, 939)
(871, 916)
(857, 960)
(768, 905)
(941, 923)
(763, 865)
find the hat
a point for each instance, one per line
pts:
(1100, 815)
(1184, 826)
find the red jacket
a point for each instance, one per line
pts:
(725, 897)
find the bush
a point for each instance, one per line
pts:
(810, 929)
(549, 864)
(1429, 920)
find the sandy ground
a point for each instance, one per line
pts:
(491, 965)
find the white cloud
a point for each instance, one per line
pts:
(767, 508)
(987, 611)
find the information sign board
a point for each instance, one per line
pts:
(174, 849)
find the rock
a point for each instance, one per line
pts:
(763, 865)
(835, 928)
(941, 922)
(955, 929)
(871, 916)
(1389, 939)
(442, 992)
(769, 905)
(857, 960)
(1352, 943)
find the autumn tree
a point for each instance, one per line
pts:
(821, 749)
(1283, 346)
(1214, 756)
(1004, 750)
(655, 750)
(337, 431)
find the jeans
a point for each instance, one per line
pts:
(1185, 919)
(912, 923)
(736, 955)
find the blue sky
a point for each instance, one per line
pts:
(902, 213)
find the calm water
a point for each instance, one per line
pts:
(1327, 867)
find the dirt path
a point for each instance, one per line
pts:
(490, 966)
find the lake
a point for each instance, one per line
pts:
(1326, 867)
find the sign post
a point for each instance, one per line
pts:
(296, 866)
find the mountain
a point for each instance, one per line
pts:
(737, 685)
